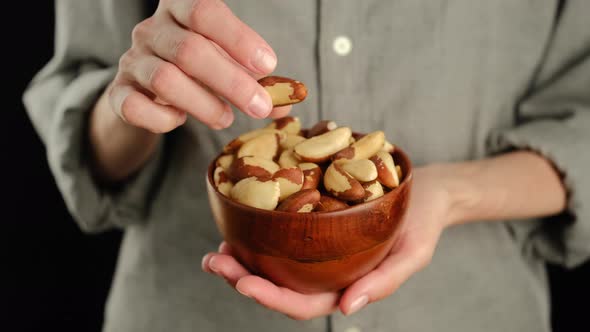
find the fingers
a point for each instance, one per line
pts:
(205, 262)
(227, 267)
(410, 257)
(192, 56)
(295, 305)
(197, 56)
(214, 20)
(224, 265)
(138, 110)
(224, 248)
(170, 84)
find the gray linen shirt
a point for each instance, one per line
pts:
(446, 80)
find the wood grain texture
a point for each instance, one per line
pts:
(318, 251)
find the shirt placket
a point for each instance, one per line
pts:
(339, 49)
(338, 59)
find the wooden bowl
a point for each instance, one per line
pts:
(317, 251)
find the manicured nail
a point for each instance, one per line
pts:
(226, 119)
(260, 105)
(264, 61)
(212, 265)
(357, 304)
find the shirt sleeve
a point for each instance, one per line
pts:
(554, 121)
(90, 36)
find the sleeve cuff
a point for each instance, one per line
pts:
(562, 239)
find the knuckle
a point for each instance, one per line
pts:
(141, 30)
(186, 50)
(242, 87)
(162, 78)
(128, 60)
(125, 60)
(198, 11)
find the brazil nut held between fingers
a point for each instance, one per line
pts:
(174, 68)
(284, 91)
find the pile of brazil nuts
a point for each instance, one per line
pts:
(286, 168)
(326, 168)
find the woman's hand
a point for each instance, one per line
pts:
(499, 188)
(184, 60)
(428, 213)
(191, 57)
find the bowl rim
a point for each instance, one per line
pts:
(407, 177)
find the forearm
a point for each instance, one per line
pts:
(117, 149)
(511, 186)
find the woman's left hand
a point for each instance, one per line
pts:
(492, 189)
(428, 213)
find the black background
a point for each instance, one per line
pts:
(54, 277)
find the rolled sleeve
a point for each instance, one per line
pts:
(65, 136)
(555, 122)
(58, 102)
(563, 239)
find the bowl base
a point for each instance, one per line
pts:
(315, 277)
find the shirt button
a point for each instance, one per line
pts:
(342, 45)
(352, 329)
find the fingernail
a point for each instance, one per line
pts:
(118, 96)
(264, 61)
(226, 119)
(357, 304)
(181, 118)
(241, 291)
(222, 247)
(212, 265)
(260, 105)
(205, 262)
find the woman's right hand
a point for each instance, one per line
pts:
(183, 60)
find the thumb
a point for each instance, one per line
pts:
(412, 255)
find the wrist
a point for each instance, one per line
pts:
(462, 197)
(113, 163)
